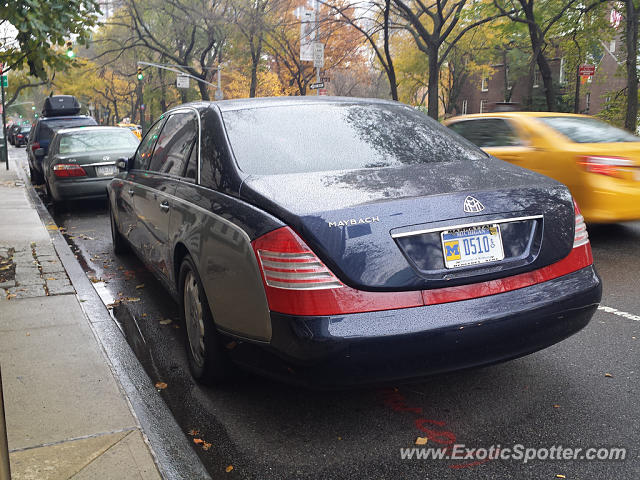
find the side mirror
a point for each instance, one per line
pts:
(39, 152)
(122, 164)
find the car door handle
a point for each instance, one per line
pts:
(164, 206)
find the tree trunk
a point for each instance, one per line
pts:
(631, 34)
(255, 63)
(434, 78)
(576, 106)
(547, 80)
(204, 91)
(391, 72)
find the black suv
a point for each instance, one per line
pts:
(53, 119)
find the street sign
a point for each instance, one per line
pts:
(325, 79)
(587, 70)
(318, 54)
(142, 107)
(307, 33)
(322, 91)
(182, 81)
(316, 85)
(5, 81)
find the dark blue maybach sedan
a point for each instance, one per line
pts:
(334, 241)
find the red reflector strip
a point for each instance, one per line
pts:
(346, 300)
(580, 257)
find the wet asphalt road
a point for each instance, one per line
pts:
(265, 429)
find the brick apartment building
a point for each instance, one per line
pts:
(483, 93)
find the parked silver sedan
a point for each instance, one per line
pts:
(82, 160)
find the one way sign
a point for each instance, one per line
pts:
(316, 85)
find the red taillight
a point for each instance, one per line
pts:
(20, 136)
(298, 283)
(64, 170)
(605, 165)
(35, 146)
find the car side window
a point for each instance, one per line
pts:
(145, 149)
(488, 132)
(192, 165)
(174, 144)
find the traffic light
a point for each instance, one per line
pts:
(33, 107)
(70, 52)
(140, 74)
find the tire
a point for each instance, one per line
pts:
(36, 176)
(208, 361)
(120, 245)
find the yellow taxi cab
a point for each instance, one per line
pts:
(136, 129)
(598, 162)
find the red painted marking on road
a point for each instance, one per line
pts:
(395, 400)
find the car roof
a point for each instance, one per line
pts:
(260, 102)
(513, 115)
(88, 127)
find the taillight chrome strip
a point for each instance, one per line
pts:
(581, 236)
(304, 286)
(289, 265)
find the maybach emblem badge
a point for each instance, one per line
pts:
(472, 205)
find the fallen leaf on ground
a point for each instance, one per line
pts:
(138, 287)
(608, 375)
(422, 440)
(193, 432)
(166, 321)
(132, 299)
(206, 446)
(229, 468)
(556, 406)
(6, 267)
(52, 227)
(161, 385)
(28, 334)
(198, 441)
(144, 315)
(559, 475)
(94, 279)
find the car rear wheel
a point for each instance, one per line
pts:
(36, 176)
(120, 245)
(208, 362)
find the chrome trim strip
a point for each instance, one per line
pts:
(466, 225)
(96, 164)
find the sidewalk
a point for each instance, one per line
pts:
(67, 417)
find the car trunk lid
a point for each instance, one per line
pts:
(380, 229)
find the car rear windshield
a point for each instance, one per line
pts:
(49, 127)
(340, 136)
(588, 130)
(95, 140)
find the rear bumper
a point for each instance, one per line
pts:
(79, 188)
(411, 343)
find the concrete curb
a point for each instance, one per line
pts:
(172, 451)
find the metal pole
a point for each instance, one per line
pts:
(4, 128)
(5, 469)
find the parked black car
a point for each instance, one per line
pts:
(342, 241)
(11, 132)
(22, 135)
(53, 118)
(82, 160)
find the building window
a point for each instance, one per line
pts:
(483, 106)
(562, 77)
(588, 102)
(465, 104)
(484, 86)
(612, 46)
(536, 78)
